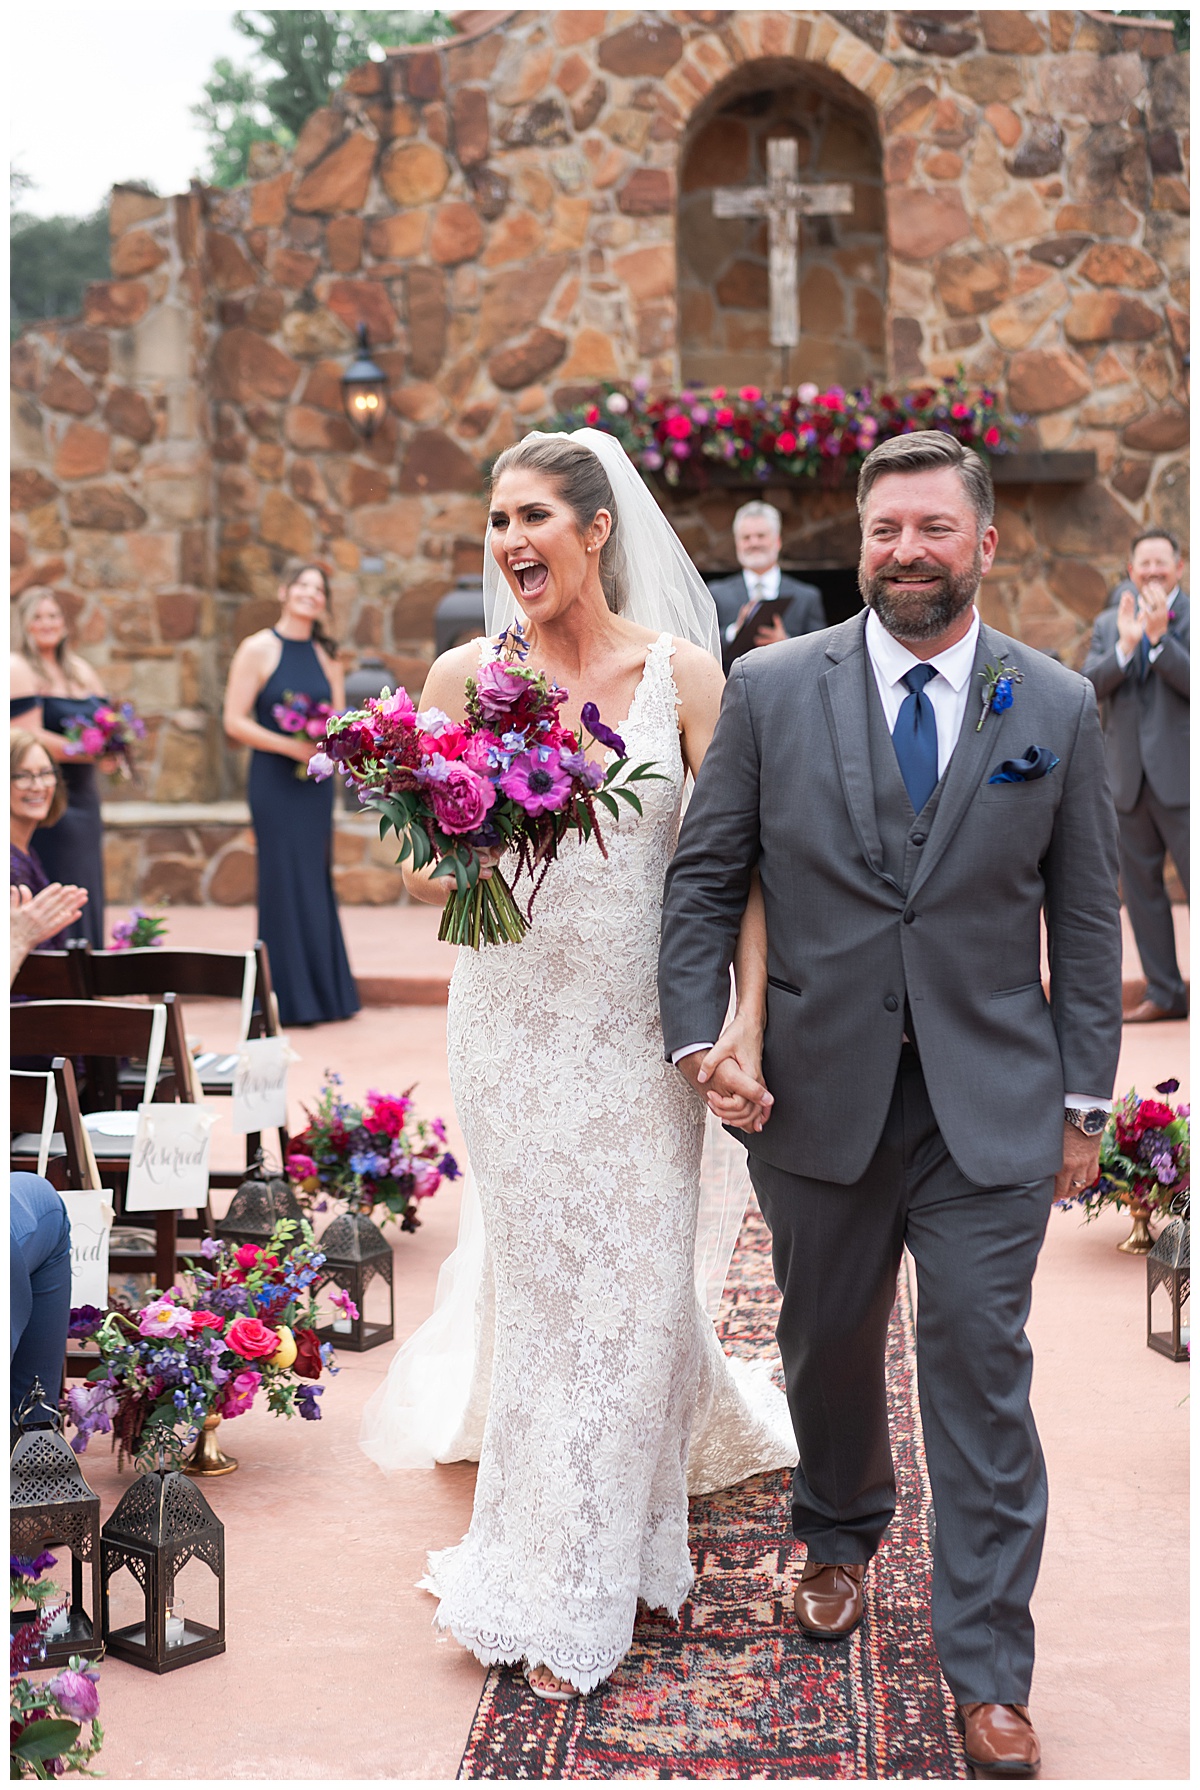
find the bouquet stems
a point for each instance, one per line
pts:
(484, 915)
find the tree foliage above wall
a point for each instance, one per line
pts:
(298, 58)
(51, 260)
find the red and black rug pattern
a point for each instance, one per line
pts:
(734, 1689)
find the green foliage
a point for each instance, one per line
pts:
(300, 57)
(51, 260)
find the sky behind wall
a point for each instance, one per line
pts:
(102, 95)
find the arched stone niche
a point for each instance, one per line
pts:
(723, 283)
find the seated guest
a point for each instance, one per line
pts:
(757, 535)
(1139, 663)
(39, 1234)
(37, 799)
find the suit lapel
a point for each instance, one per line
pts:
(976, 746)
(844, 693)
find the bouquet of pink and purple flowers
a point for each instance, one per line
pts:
(109, 732)
(302, 714)
(508, 775)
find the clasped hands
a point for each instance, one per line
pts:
(729, 1076)
(1146, 614)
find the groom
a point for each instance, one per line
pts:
(917, 792)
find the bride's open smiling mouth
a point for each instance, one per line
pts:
(531, 574)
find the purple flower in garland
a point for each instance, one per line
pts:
(76, 1694)
(590, 716)
(31, 1569)
(580, 765)
(85, 1321)
(306, 1400)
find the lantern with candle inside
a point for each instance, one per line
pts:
(51, 1506)
(1168, 1275)
(358, 1265)
(257, 1206)
(364, 390)
(161, 1527)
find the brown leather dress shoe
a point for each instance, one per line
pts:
(999, 1740)
(829, 1600)
(1146, 1012)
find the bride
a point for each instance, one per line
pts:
(568, 1351)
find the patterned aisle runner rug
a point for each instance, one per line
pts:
(734, 1690)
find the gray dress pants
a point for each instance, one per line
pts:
(1146, 834)
(836, 1252)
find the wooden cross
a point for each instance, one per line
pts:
(783, 201)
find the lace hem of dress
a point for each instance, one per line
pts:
(585, 1669)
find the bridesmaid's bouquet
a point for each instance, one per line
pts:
(509, 775)
(110, 732)
(302, 714)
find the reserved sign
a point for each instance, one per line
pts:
(168, 1166)
(91, 1216)
(260, 1083)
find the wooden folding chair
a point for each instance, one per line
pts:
(52, 975)
(107, 1031)
(157, 970)
(69, 1162)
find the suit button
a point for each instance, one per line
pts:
(918, 839)
(890, 1002)
(909, 916)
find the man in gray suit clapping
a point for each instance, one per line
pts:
(1140, 664)
(916, 792)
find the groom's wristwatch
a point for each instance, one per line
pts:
(1091, 1122)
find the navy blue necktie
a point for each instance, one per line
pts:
(1143, 660)
(915, 737)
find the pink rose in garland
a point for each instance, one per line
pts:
(239, 1394)
(251, 1339)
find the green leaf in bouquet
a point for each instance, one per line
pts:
(627, 795)
(602, 795)
(45, 1740)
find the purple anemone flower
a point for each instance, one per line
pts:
(538, 782)
(590, 716)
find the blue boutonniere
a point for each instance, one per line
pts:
(998, 681)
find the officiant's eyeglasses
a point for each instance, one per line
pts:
(27, 779)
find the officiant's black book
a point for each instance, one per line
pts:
(761, 616)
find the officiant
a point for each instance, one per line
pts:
(757, 536)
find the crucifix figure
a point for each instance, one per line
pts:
(783, 201)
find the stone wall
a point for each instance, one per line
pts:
(501, 212)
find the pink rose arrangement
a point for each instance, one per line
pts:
(508, 776)
(806, 433)
(375, 1158)
(298, 713)
(110, 732)
(238, 1322)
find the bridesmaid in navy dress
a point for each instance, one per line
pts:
(49, 687)
(292, 816)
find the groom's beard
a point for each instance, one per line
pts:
(923, 614)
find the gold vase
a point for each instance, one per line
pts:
(1139, 1241)
(206, 1460)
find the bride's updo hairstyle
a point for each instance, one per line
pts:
(583, 486)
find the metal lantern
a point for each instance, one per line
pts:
(355, 1251)
(1168, 1267)
(257, 1207)
(52, 1506)
(161, 1523)
(364, 390)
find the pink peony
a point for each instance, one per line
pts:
(206, 1320)
(239, 1394)
(451, 742)
(386, 1113)
(161, 1318)
(479, 747)
(425, 1182)
(300, 1167)
(397, 707)
(499, 690)
(251, 1339)
(460, 798)
(76, 1695)
(537, 782)
(679, 427)
(92, 740)
(750, 394)
(786, 442)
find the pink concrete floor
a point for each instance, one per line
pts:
(333, 1669)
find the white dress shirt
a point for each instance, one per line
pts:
(949, 694)
(760, 588)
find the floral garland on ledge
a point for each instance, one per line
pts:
(806, 434)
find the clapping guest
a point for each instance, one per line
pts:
(50, 687)
(36, 799)
(292, 814)
(757, 538)
(1139, 663)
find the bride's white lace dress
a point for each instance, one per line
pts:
(606, 1395)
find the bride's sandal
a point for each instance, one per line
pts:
(551, 1689)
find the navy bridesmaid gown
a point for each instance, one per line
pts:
(293, 825)
(72, 850)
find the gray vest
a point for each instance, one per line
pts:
(898, 828)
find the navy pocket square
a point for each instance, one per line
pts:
(1033, 764)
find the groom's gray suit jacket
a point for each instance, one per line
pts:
(873, 912)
